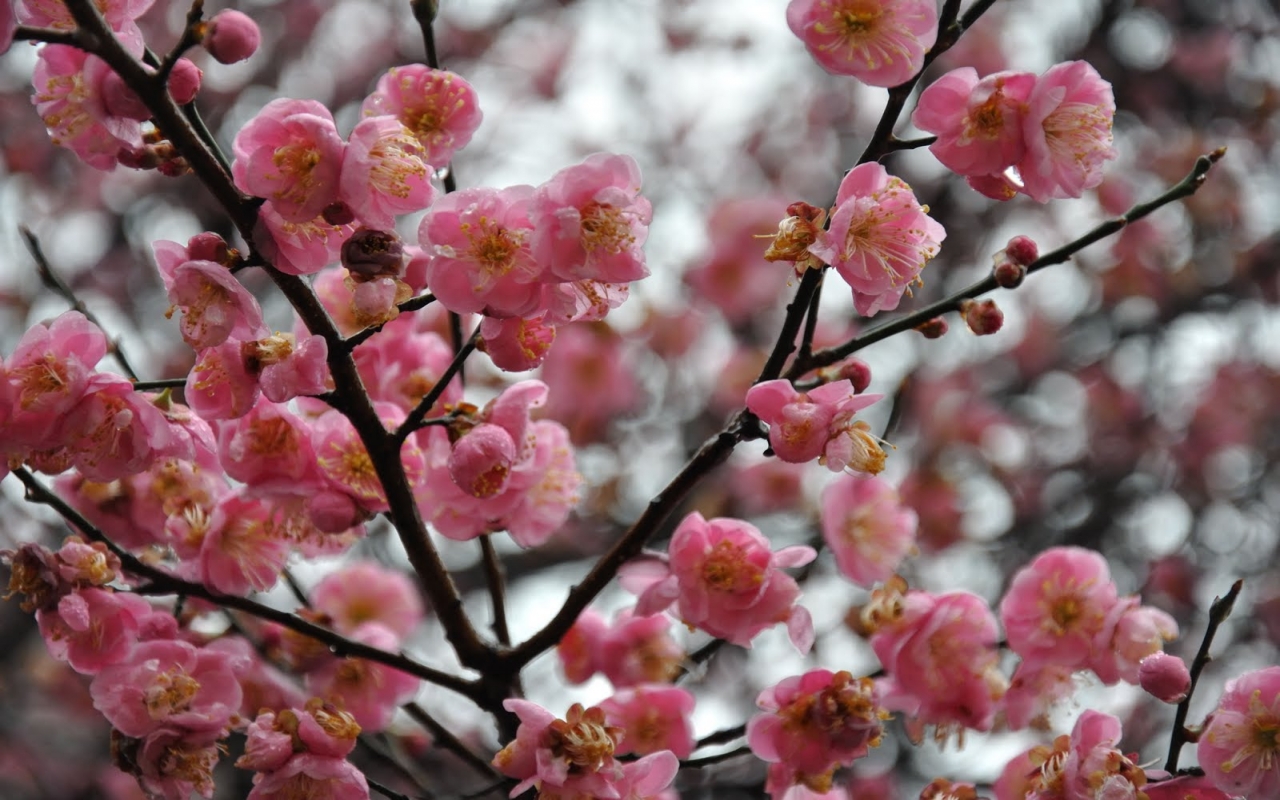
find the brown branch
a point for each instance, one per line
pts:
(1218, 613)
(412, 304)
(418, 416)
(188, 40)
(706, 761)
(25, 33)
(495, 578)
(446, 739)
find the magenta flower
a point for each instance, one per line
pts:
(1067, 128)
(879, 42)
(1239, 749)
(299, 248)
(220, 385)
(725, 579)
(439, 107)
(385, 172)
(47, 375)
(1057, 607)
(516, 344)
(867, 528)
(1132, 632)
(817, 424)
(243, 548)
(91, 629)
(653, 718)
(590, 222)
(879, 239)
(291, 154)
(978, 122)
(816, 721)
(168, 683)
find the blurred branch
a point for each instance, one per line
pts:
(495, 579)
(61, 288)
(706, 761)
(163, 383)
(25, 33)
(1218, 613)
(445, 738)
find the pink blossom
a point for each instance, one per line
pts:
(733, 275)
(547, 486)
(639, 650)
(867, 528)
(578, 648)
(879, 239)
(481, 460)
(768, 486)
(314, 777)
(1185, 787)
(287, 369)
(114, 431)
(368, 592)
(1067, 128)
(1132, 632)
(817, 721)
(47, 375)
(268, 741)
(220, 385)
(879, 43)
(214, 304)
(516, 344)
(1094, 768)
(69, 99)
(590, 361)
(1164, 677)
(263, 687)
(1239, 749)
(269, 447)
(369, 691)
(385, 172)
(978, 122)
(647, 778)
(91, 629)
(242, 548)
(439, 107)
(817, 424)
(574, 754)
(481, 259)
(784, 783)
(725, 579)
(231, 36)
(346, 464)
(1057, 606)
(170, 764)
(120, 15)
(590, 222)
(1033, 690)
(402, 368)
(291, 154)
(652, 718)
(299, 248)
(168, 683)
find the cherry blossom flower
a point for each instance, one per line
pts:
(578, 648)
(302, 247)
(220, 385)
(1033, 691)
(879, 239)
(590, 222)
(214, 304)
(268, 448)
(291, 154)
(242, 549)
(91, 629)
(879, 42)
(367, 690)
(47, 375)
(574, 754)
(385, 172)
(1239, 749)
(168, 683)
(817, 721)
(978, 122)
(725, 579)
(652, 718)
(817, 424)
(170, 763)
(637, 650)
(733, 275)
(1057, 606)
(114, 431)
(1132, 632)
(439, 107)
(368, 592)
(69, 98)
(311, 776)
(1067, 129)
(516, 344)
(868, 530)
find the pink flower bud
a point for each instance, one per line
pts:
(208, 246)
(231, 36)
(857, 372)
(371, 254)
(1165, 677)
(935, 328)
(184, 81)
(982, 317)
(481, 460)
(1022, 250)
(1009, 275)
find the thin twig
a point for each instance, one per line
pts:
(163, 383)
(377, 787)
(706, 761)
(26, 33)
(897, 145)
(1218, 613)
(496, 580)
(412, 304)
(722, 737)
(445, 738)
(60, 287)
(419, 414)
(188, 40)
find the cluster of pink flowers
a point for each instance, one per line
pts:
(1086, 765)
(723, 577)
(818, 424)
(1013, 132)
(634, 650)
(301, 752)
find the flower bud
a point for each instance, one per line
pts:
(1164, 677)
(208, 246)
(371, 254)
(934, 328)
(231, 36)
(857, 372)
(1021, 250)
(1009, 275)
(184, 81)
(982, 317)
(480, 463)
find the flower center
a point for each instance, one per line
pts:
(726, 569)
(170, 693)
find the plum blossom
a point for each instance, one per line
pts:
(366, 591)
(639, 650)
(590, 222)
(818, 424)
(867, 528)
(438, 107)
(231, 36)
(291, 154)
(1164, 677)
(91, 628)
(369, 691)
(978, 122)
(653, 718)
(561, 756)
(385, 172)
(879, 42)
(1067, 128)
(169, 763)
(816, 721)
(214, 304)
(311, 776)
(71, 101)
(724, 578)
(1239, 749)
(879, 239)
(168, 683)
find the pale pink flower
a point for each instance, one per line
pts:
(214, 305)
(169, 763)
(1067, 129)
(768, 486)
(168, 683)
(91, 629)
(652, 718)
(385, 172)
(1094, 768)
(114, 431)
(817, 424)
(941, 660)
(516, 344)
(478, 240)
(69, 99)
(268, 741)
(570, 754)
(287, 369)
(879, 239)
(220, 385)
(402, 367)
(547, 486)
(299, 248)
(47, 375)
(1239, 749)
(1165, 677)
(1033, 691)
(582, 301)
(578, 649)
(290, 154)
(370, 692)
(120, 15)
(314, 777)
(978, 122)
(867, 528)
(439, 107)
(366, 591)
(268, 448)
(879, 42)
(1132, 632)
(1057, 606)
(590, 222)
(639, 650)
(647, 778)
(243, 549)
(725, 579)
(817, 721)
(346, 464)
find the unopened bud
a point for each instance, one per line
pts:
(184, 81)
(1164, 677)
(934, 328)
(982, 317)
(1009, 275)
(208, 246)
(1022, 250)
(857, 372)
(370, 254)
(231, 36)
